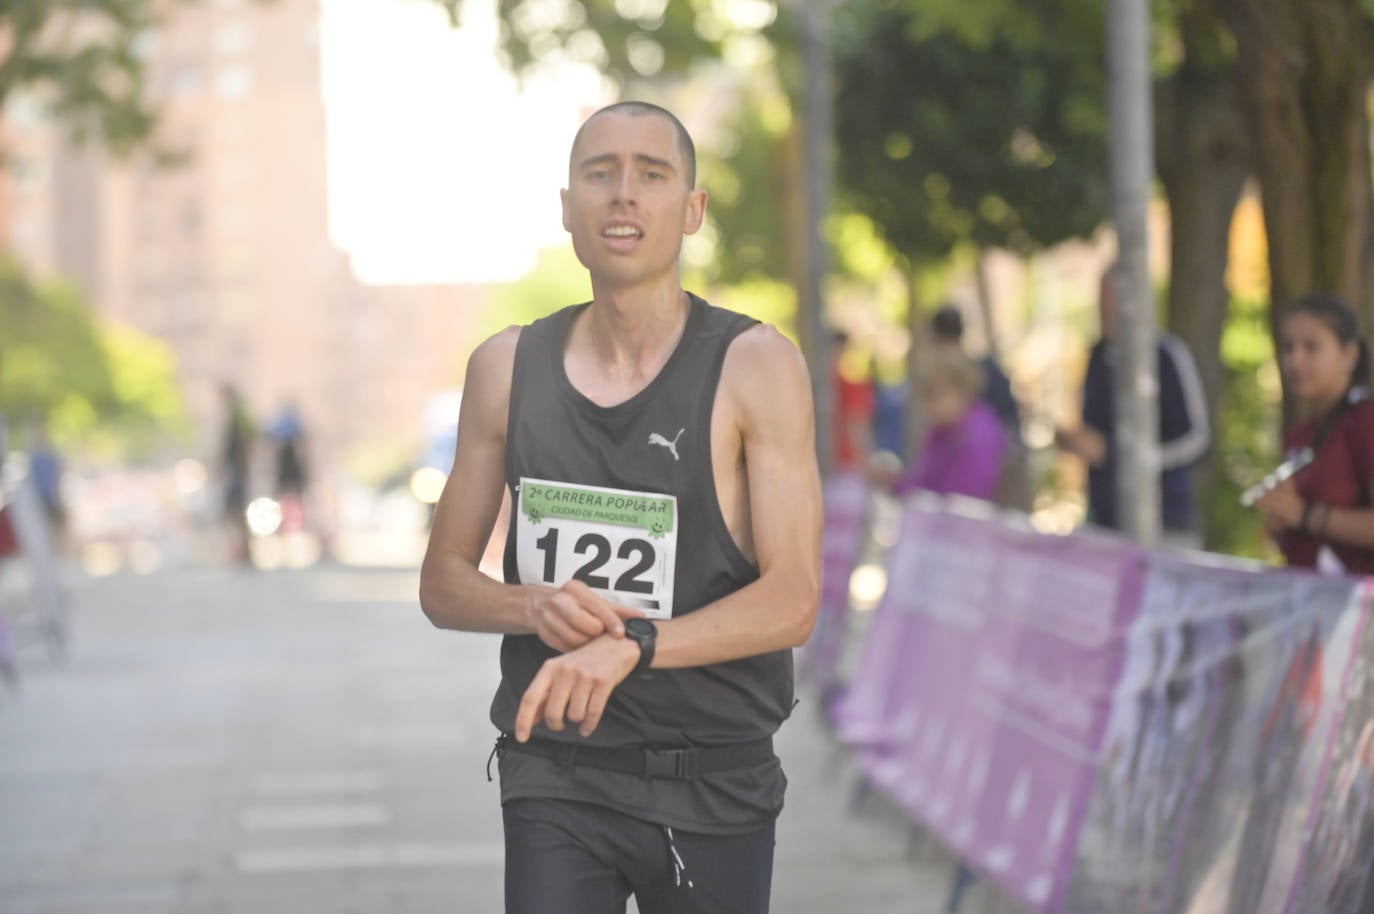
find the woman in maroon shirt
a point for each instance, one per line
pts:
(1325, 365)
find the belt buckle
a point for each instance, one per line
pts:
(682, 764)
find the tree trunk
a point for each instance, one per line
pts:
(985, 309)
(1366, 306)
(1202, 156)
(810, 315)
(916, 323)
(1304, 72)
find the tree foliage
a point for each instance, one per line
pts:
(84, 61)
(61, 366)
(750, 171)
(624, 39)
(557, 280)
(1305, 75)
(944, 142)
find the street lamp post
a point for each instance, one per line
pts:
(819, 125)
(1134, 346)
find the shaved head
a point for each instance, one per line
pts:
(646, 109)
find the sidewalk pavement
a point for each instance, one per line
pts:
(303, 742)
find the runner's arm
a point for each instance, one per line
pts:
(454, 593)
(766, 377)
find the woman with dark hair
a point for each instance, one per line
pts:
(1325, 510)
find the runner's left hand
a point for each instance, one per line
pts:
(575, 686)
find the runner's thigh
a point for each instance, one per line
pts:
(711, 874)
(552, 863)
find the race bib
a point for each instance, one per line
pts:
(619, 543)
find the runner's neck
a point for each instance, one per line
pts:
(629, 338)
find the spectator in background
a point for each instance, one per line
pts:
(853, 416)
(46, 467)
(235, 443)
(1185, 434)
(964, 446)
(947, 328)
(1324, 510)
(288, 440)
(287, 434)
(889, 408)
(1014, 489)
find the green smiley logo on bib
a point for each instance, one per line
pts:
(620, 543)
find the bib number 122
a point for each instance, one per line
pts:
(634, 558)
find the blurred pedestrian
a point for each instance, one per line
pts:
(1014, 488)
(889, 408)
(964, 446)
(46, 467)
(947, 327)
(287, 433)
(289, 444)
(854, 406)
(235, 445)
(1185, 435)
(1323, 514)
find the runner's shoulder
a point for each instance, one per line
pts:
(492, 360)
(763, 364)
(490, 367)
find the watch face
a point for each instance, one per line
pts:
(641, 628)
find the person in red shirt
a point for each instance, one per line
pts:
(1326, 506)
(853, 409)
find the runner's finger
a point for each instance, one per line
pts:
(610, 615)
(557, 634)
(532, 704)
(556, 704)
(576, 614)
(578, 699)
(596, 706)
(582, 603)
(627, 612)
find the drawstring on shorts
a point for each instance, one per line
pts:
(679, 868)
(497, 751)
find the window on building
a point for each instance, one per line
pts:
(187, 80)
(234, 82)
(233, 38)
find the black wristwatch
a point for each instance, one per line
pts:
(645, 634)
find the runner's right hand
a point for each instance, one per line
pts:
(572, 615)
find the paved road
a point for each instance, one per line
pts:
(305, 742)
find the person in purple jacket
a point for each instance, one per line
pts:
(965, 444)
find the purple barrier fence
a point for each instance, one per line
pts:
(1217, 761)
(979, 700)
(846, 526)
(1094, 727)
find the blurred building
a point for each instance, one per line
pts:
(216, 239)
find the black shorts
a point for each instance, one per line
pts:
(564, 857)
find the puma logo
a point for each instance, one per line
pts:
(656, 438)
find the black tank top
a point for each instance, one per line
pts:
(624, 497)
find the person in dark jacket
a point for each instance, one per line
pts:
(1185, 434)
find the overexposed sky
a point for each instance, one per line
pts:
(441, 169)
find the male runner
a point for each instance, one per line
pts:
(663, 555)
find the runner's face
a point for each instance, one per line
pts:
(1315, 363)
(628, 205)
